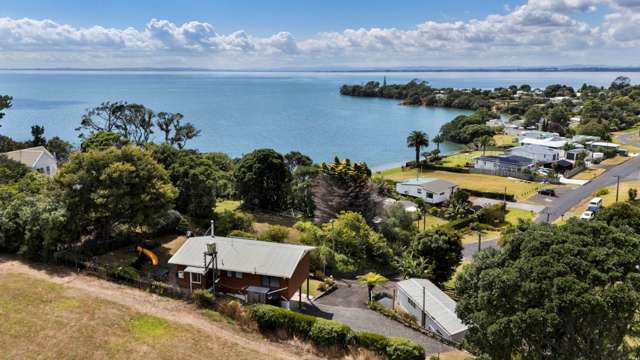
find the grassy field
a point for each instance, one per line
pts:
(313, 287)
(617, 160)
(430, 222)
(263, 220)
(513, 215)
(608, 199)
(463, 158)
(43, 320)
(519, 188)
(635, 138)
(504, 140)
(589, 174)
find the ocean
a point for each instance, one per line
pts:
(242, 111)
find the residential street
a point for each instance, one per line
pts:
(571, 198)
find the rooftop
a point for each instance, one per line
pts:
(552, 142)
(243, 255)
(538, 149)
(431, 184)
(438, 304)
(507, 160)
(29, 156)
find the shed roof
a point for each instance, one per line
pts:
(29, 156)
(438, 304)
(535, 149)
(513, 160)
(431, 184)
(553, 142)
(243, 255)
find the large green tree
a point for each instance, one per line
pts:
(438, 253)
(262, 180)
(553, 292)
(417, 140)
(116, 187)
(5, 103)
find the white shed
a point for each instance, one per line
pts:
(433, 309)
(431, 190)
(36, 158)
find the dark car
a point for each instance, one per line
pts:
(547, 192)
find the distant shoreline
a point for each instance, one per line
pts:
(350, 70)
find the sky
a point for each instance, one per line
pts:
(271, 34)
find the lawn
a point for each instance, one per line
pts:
(455, 355)
(588, 174)
(504, 140)
(513, 215)
(430, 222)
(607, 199)
(519, 188)
(313, 287)
(634, 138)
(41, 319)
(617, 160)
(463, 158)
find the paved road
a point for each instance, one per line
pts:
(510, 205)
(571, 198)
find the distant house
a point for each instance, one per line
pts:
(595, 145)
(432, 191)
(554, 142)
(583, 139)
(255, 271)
(573, 154)
(507, 164)
(537, 153)
(36, 158)
(433, 309)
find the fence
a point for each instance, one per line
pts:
(508, 173)
(89, 267)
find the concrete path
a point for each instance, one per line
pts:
(570, 199)
(510, 205)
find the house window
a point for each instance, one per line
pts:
(419, 191)
(229, 273)
(270, 282)
(238, 275)
(180, 274)
(48, 170)
(429, 195)
(196, 278)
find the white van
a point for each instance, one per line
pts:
(595, 203)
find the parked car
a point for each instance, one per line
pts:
(595, 203)
(587, 215)
(547, 192)
(593, 209)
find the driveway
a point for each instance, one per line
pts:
(566, 201)
(347, 304)
(510, 205)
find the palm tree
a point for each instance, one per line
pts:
(485, 141)
(371, 280)
(438, 139)
(417, 139)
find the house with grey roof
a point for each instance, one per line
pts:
(503, 164)
(431, 190)
(431, 307)
(36, 158)
(255, 271)
(537, 153)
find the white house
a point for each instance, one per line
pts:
(36, 158)
(433, 309)
(537, 153)
(535, 134)
(509, 163)
(551, 142)
(432, 191)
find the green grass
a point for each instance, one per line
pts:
(464, 158)
(231, 205)
(504, 140)
(313, 287)
(513, 215)
(430, 222)
(149, 326)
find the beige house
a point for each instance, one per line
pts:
(36, 158)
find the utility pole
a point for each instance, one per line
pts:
(617, 186)
(479, 241)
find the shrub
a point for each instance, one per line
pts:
(633, 194)
(228, 221)
(274, 233)
(203, 298)
(602, 192)
(233, 309)
(330, 333)
(403, 349)
(242, 234)
(272, 318)
(372, 341)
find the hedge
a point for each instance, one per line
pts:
(332, 333)
(462, 222)
(491, 195)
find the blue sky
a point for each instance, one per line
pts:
(288, 33)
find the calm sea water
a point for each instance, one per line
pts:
(239, 112)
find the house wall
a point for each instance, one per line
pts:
(536, 156)
(299, 276)
(402, 301)
(485, 165)
(44, 162)
(418, 191)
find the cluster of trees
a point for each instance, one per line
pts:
(464, 129)
(557, 292)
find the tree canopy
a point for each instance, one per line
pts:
(553, 292)
(262, 180)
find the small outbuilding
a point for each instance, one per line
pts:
(36, 158)
(431, 190)
(432, 308)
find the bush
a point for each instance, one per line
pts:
(203, 298)
(403, 349)
(372, 341)
(233, 309)
(242, 234)
(228, 221)
(329, 333)
(602, 192)
(633, 194)
(462, 222)
(491, 195)
(167, 223)
(272, 318)
(274, 233)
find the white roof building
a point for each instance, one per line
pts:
(551, 142)
(536, 152)
(36, 158)
(439, 311)
(242, 255)
(431, 190)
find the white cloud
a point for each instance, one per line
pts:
(539, 29)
